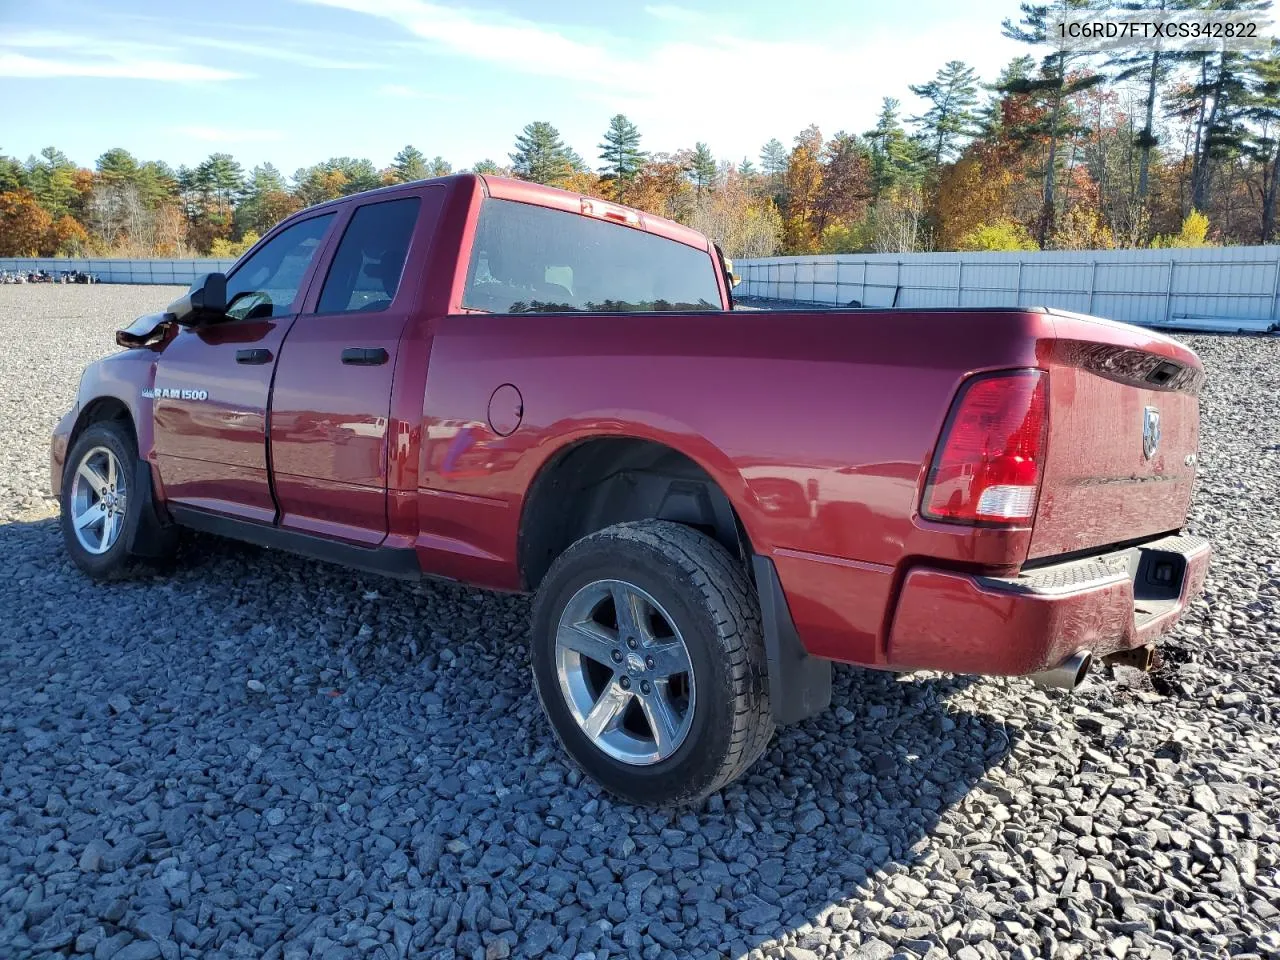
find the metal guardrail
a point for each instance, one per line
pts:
(1220, 288)
(110, 270)
(1235, 288)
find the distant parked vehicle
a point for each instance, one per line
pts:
(46, 276)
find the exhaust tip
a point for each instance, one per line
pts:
(1067, 675)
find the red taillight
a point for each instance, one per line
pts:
(987, 468)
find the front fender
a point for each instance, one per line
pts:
(120, 378)
(117, 380)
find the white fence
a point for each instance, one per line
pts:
(1224, 288)
(180, 272)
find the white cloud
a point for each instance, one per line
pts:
(675, 14)
(283, 54)
(122, 68)
(98, 57)
(229, 135)
(412, 93)
(519, 44)
(708, 84)
(45, 40)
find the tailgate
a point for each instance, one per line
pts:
(1123, 431)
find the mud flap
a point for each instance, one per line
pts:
(799, 684)
(146, 535)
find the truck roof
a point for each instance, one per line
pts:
(523, 191)
(508, 188)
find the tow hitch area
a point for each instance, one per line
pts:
(1142, 658)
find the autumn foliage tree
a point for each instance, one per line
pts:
(24, 224)
(802, 188)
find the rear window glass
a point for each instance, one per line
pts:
(529, 259)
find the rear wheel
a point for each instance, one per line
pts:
(649, 661)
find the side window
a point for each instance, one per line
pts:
(266, 285)
(366, 269)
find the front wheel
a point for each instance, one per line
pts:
(98, 500)
(649, 661)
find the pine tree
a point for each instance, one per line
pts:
(157, 183)
(702, 169)
(1058, 79)
(620, 151)
(117, 165)
(487, 167)
(409, 164)
(1214, 103)
(773, 159)
(439, 167)
(746, 168)
(222, 177)
(895, 157)
(1264, 145)
(361, 174)
(266, 178)
(1152, 67)
(52, 179)
(950, 119)
(12, 176)
(541, 156)
(266, 201)
(991, 116)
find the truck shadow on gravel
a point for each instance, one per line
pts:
(257, 754)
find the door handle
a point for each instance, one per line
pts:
(253, 356)
(365, 356)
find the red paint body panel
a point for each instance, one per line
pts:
(212, 453)
(818, 426)
(329, 436)
(950, 621)
(1098, 485)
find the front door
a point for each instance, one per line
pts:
(212, 383)
(332, 394)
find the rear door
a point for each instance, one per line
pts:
(332, 395)
(212, 383)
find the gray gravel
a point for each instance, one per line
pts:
(258, 755)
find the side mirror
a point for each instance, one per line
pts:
(205, 302)
(734, 279)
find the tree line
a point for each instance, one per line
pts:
(1062, 150)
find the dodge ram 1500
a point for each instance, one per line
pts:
(524, 389)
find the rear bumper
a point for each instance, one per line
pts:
(1017, 625)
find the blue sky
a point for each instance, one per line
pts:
(297, 81)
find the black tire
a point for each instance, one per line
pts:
(711, 600)
(116, 561)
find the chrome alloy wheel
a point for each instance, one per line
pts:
(625, 672)
(98, 500)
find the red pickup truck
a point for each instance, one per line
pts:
(524, 389)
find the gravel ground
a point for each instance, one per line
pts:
(258, 755)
